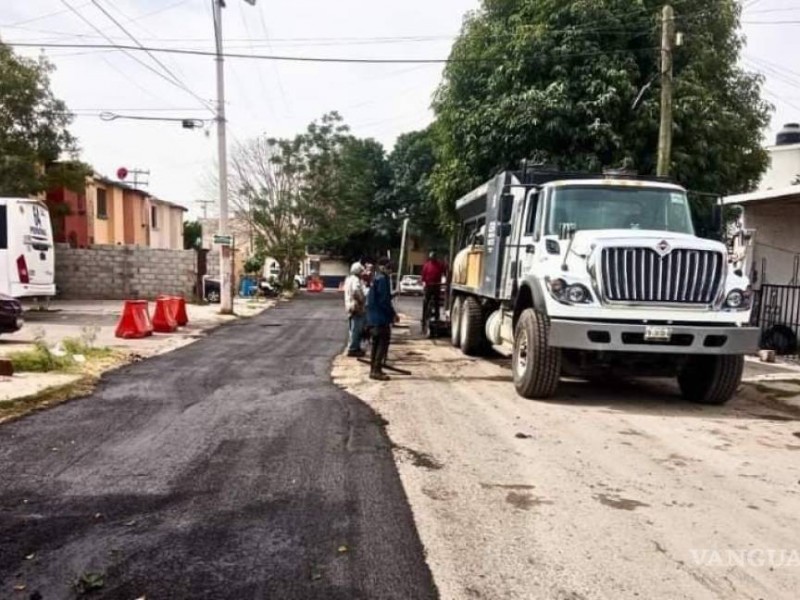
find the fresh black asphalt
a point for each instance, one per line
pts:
(231, 468)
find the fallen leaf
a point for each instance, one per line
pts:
(523, 436)
(130, 524)
(30, 556)
(342, 549)
(20, 587)
(98, 515)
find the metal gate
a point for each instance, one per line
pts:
(777, 312)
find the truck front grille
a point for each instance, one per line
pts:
(683, 276)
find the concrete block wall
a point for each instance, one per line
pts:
(124, 272)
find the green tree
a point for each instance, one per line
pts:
(192, 234)
(412, 162)
(555, 82)
(33, 127)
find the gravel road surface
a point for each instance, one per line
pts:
(232, 468)
(613, 490)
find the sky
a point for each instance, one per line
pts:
(281, 98)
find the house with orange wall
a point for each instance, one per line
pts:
(113, 213)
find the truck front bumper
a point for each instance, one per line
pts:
(630, 337)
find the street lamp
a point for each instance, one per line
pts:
(226, 295)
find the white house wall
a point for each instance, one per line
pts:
(777, 239)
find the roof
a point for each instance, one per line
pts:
(168, 203)
(617, 182)
(791, 192)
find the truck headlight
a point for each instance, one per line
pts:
(738, 299)
(568, 294)
(577, 294)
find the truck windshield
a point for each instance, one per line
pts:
(606, 207)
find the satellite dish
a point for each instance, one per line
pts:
(122, 173)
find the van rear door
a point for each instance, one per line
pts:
(31, 260)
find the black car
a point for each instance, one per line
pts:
(10, 314)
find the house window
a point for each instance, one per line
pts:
(102, 206)
(154, 217)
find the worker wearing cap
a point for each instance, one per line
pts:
(355, 302)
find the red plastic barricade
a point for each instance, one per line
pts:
(180, 311)
(177, 308)
(135, 320)
(163, 317)
(315, 285)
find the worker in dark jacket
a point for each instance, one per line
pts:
(380, 317)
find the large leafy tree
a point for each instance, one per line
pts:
(555, 82)
(323, 190)
(33, 129)
(412, 162)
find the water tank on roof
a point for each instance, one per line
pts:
(790, 134)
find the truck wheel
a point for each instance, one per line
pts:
(455, 321)
(535, 364)
(472, 336)
(711, 379)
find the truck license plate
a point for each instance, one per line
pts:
(657, 333)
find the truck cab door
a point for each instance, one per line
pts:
(529, 236)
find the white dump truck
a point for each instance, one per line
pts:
(580, 275)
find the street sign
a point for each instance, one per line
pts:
(223, 240)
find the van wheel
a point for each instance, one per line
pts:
(455, 320)
(472, 335)
(711, 379)
(536, 365)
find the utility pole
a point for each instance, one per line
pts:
(401, 260)
(665, 131)
(204, 204)
(226, 283)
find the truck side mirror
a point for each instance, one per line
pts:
(567, 231)
(506, 207)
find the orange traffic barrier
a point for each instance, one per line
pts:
(180, 311)
(134, 321)
(177, 308)
(163, 317)
(315, 285)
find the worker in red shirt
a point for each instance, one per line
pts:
(432, 273)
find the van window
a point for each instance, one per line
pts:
(102, 206)
(3, 228)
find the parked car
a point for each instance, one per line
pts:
(411, 285)
(10, 314)
(211, 290)
(300, 281)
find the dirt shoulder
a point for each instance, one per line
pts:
(613, 490)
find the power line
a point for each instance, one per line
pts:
(72, 9)
(314, 59)
(45, 16)
(125, 49)
(166, 69)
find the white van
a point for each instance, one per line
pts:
(27, 261)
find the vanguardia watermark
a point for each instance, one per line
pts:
(750, 557)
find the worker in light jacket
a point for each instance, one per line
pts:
(380, 317)
(355, 301)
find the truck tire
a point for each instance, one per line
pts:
(472, 335)
(711, 379)
(536, 365)
(455, 321)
